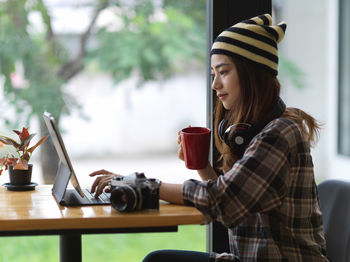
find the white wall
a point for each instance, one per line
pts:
(339, 165)
(306, 43)
(312, 42)
(125, 119)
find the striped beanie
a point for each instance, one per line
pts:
(253, 40)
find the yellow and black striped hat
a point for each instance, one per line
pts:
(254, 40)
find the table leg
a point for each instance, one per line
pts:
(70, 248)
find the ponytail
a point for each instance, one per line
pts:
(309, 126)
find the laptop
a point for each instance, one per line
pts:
(69, 196)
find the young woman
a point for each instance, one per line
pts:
(266, 195)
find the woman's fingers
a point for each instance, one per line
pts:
(180, 152)
(100, 172)
(101, 185)
(179, 137)
(102, 181)
(95, 184)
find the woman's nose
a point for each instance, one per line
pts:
(216, 85)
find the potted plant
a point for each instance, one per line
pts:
(20, 171)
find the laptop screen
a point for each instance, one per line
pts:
(61, 151)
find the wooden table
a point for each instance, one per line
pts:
(37, 213)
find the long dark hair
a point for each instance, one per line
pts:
(259, 92)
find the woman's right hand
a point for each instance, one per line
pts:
(102, 181)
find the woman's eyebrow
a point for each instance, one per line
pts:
(220, 65)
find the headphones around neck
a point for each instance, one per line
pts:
(238, 136)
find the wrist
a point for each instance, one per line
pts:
(206, 167)
(207, 173)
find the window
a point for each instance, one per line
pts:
(121, 123)
(143, 79)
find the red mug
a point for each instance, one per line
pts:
(196, 145)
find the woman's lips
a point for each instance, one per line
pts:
(221, 96)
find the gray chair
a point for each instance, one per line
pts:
(335, 205)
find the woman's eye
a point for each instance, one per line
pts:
(212, 76)
(222, 72)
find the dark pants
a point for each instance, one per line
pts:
(176, 256)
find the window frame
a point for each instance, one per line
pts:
(342, 127)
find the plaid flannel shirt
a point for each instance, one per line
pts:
(268, 200)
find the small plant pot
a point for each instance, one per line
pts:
(20, 177)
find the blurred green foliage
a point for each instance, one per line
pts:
(291, 71)
(18, 46)
(152, 46)
(154, 42)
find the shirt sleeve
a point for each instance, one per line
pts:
(256, 183)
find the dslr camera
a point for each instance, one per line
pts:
(134, 192)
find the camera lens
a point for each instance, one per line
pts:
(124, 198)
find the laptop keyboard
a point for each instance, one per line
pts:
(104, 197)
